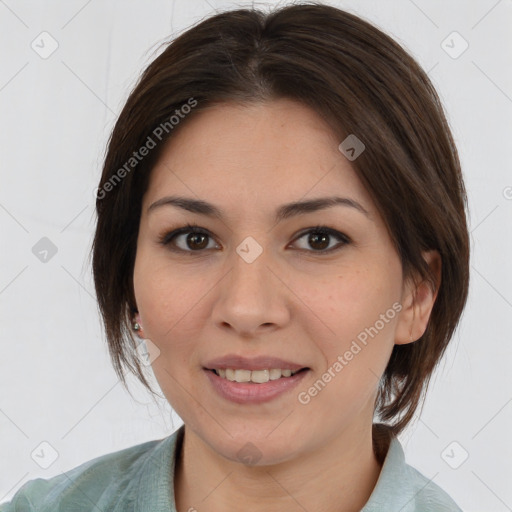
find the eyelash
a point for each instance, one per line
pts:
(168, 237)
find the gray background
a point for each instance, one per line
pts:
(57, 385)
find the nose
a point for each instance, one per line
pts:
(251, 299)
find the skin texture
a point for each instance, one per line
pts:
(294, 302)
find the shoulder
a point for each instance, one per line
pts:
(103, 480)
(402, 487)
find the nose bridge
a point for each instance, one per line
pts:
(251, 279)
(250, 295)
(252, 268)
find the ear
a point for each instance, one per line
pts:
(417, 302)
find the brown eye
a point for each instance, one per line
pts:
(196, 240)
(319, 241)
(189, 238)
(320, 238)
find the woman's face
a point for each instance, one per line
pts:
(255, 285)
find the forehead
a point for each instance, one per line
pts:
(254, 157)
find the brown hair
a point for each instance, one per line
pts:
(359, 80)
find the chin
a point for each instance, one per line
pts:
(256, 449)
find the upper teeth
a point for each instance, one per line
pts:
(259, 376)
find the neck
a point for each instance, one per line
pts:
(340, 477)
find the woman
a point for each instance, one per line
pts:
(281, 220)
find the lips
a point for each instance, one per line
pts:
(251, 393)
(253, 363)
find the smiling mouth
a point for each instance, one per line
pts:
(255, 376)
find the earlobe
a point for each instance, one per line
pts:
(418, 300)
(137, 325)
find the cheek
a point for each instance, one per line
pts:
(355, 299)
(169, 303)
(357, 307)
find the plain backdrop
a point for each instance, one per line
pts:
(59, 396)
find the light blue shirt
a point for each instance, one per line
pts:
(138, 479)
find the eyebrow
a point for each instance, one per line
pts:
(283, 212)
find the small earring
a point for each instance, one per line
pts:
(136, 327)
